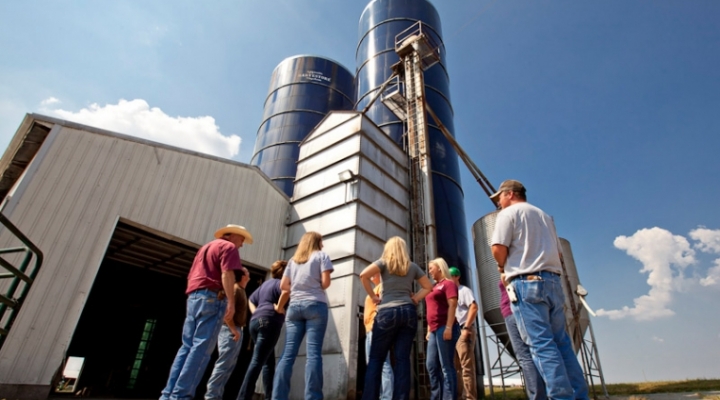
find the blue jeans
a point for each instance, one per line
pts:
(265, 334)
(440, 364)
(302, 317)
(394, 327)
(228, 351)
(541, 323)
(533, 381)
(200, 332)
(387, 373)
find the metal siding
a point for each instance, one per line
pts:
(353, 232)
(70, 207)
(313, 184)
(328, 156)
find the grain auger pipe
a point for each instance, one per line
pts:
(474, 170)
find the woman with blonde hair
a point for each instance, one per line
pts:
(396, 319)
(443, 332)
(306, 277)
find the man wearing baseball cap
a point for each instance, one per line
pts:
(465, 348)
(211, 300)
(525, 246)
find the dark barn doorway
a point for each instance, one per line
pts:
(131, 325)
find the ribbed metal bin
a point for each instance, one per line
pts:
(303, 89)
(380, 22)
(487, 272)
(570, 282)
(489, 277)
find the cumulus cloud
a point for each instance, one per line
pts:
(709, 242)
(713, 276)
(657, 339)
(663, 256)
(49, 101)
(137, 118)
(709, 239)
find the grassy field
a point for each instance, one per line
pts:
(628, 389)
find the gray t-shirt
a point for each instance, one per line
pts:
(530, 237)
(305, 279)
(397, 290)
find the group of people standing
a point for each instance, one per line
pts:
(524, 244)
(391, 324)
(217, 311)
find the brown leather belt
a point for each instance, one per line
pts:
(535, 276)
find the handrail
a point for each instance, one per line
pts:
(11, 300)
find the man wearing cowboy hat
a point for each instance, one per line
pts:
(211, 300)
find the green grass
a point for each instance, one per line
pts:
(629, 389)
(694, 385)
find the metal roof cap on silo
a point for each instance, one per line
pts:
(303, 90)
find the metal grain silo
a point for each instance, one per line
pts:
(581, 319)
(488, 274)
(380, 22)
(303, 89)
(489, 277)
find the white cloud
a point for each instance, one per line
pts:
(657, 339)
(709, 239)
(663, 256)
(709, 243)
(136, 118)
(49, 101)
(713, 276)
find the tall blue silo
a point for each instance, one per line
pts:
(380, 22)
(303, 89)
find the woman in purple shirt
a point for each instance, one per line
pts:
(265, 326)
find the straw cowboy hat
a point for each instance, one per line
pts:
(236, 229)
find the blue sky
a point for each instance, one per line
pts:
(608, 111)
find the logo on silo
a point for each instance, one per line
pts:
(315, 76)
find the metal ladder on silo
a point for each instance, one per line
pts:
(422, 219)
(20, 277)
(417, 53)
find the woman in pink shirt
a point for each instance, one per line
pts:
(443, 332)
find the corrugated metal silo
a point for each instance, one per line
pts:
(303, 89)
(569, 286)
(487, 272)
(489, 277)
(380, 22)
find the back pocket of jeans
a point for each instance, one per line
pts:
(533, 291)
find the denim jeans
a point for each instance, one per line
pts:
(395, 328)
(387, 373)
(534, 384)
(265, 334)
(541, 323)
(302, 317)
(200, 332)
(228, 351)
(440, 364)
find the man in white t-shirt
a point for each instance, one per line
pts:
(525, 246)
(465, 348)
